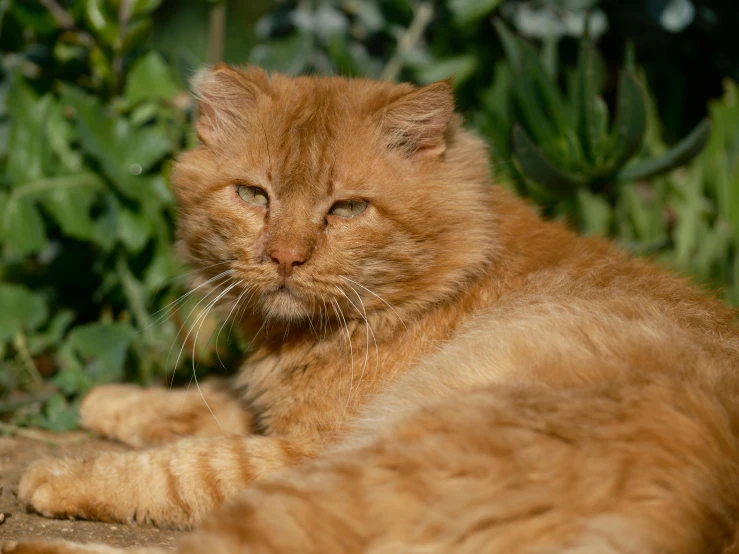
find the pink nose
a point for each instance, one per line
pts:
(287, 259)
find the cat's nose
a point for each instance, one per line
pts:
(287, 259)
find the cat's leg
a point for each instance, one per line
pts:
(64, 547)
(644, 469)
(171, 486)
(151, 416)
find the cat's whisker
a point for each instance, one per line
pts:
(266, 321)
(378, 297)
(179, 300)
(327, 320)
(310, 316)
(179, 331)
(366, 345)
(239, 315)
(165, 281)
(203, 316)
(340, 314)
(226, 320)
(196, 288)
(366, 319)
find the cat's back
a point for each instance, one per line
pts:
(564, 310)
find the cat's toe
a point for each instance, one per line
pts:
(49, 488)
(28, 547)
(104, 406)
(52, 547)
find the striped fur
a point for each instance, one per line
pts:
(446, 372)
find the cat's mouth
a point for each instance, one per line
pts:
(284, 288)
(286, 301)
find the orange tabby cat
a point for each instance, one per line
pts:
(444, 370)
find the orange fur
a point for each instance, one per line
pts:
(446, 371)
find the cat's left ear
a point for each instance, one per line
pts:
(416, 124)
(227, 96)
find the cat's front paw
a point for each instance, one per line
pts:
(106, 407)
(58, 547)
(54, 488)
(31, 547)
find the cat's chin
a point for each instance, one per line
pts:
(286, 303)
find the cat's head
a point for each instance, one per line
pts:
(320, 192)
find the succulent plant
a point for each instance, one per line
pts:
(565, 142)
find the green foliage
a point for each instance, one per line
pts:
(86, 241)
(572, 147)
(91, 116)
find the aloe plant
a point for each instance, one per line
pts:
(567, 142)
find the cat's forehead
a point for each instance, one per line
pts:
(315, 131)
(333, 94)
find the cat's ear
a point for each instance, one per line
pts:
(416, 124)
(226, 98)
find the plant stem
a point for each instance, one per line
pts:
(66, 21)
(216, 33)
(19, 341)
(422, 16)
(124, 13)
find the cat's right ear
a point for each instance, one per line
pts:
(226, 98)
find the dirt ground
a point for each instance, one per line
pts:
(16, 452)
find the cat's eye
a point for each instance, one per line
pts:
(348, 208)
(252, 195)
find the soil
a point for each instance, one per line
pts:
(17, 451)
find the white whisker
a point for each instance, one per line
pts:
(379, 297)
(366, 330)
(351, 349)
(179, 331)
(236, 302)
(181, 299)
(202, 317)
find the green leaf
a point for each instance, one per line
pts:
(123, 151)
(630, 122)
(69, 199)
(71, 209)
(136, 34)
(22, 310)
(134, 230)
(591, 106)
(469, 11)
(135, 292)
(61, 134)
(143, 147)
(59, 414)
(511, 45)
(549, 93)
(143, 7)
(60, 322)
(532, 108)
(27, 147)
(22, 227)
(289, 55)
(678, 155)
(462, 67)
(150, 78)
(103, 347)
(101, 21)
(538, 168)
(596, 214)
(645, 215)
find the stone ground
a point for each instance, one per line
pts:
(17, 451)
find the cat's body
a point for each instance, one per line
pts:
(447, 371)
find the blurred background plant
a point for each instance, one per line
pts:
(94, 107)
